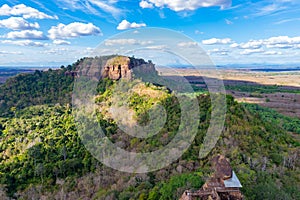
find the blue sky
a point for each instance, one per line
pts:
(55, 32)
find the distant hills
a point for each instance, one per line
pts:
(6, 72)
(262, 67)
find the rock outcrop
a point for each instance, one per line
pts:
(125, 67)
(221, 168)
(115, 67)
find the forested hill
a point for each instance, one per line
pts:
(38, 88)
(46, 87)
(42, 155)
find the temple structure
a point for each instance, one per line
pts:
(223, 185)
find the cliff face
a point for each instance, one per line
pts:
(115, 67)
(124, 67)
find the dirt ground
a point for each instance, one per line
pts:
(264, 78)
(285, 103)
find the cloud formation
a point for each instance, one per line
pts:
(61, 42)
(26, 34)
(214, 41)
(188, 44)
(127, 25)
(96, 7)
(24, 11)
(11, 53)
(251, 51)
(157, 47)
(186, 5)
(58, 51)
(252, 44)
(221, 52)
(23, 43)
(18, 23)
(272, 53)
(106, 6)
(73, 30)
(126, 42)
(228, 22)
(281, 42)
(145, 4)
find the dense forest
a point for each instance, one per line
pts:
(42, 155)
(38, 88)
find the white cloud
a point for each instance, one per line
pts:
(145, 4)
(73, 30)
(251, 51)
(234, 45)
(287, 20)
(61, 42)
(23, 43)
(213, 41)
(228, 22)
(252, 44)
(280, 46)
(188, 5)
(18, 23)
(127, 25)
(157, 47)
(272, 53)
(11, 52)
(106, 6)
(297, 46)
(126, 42)
(199, 32)
(269, 9)
(26, 34)
(24, 11)
(222, 52)
(89, 50)
(188, 44)
(282, 42)
(102, 8)
(57, 51)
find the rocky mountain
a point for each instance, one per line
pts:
(55, 86)
(124, 67)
